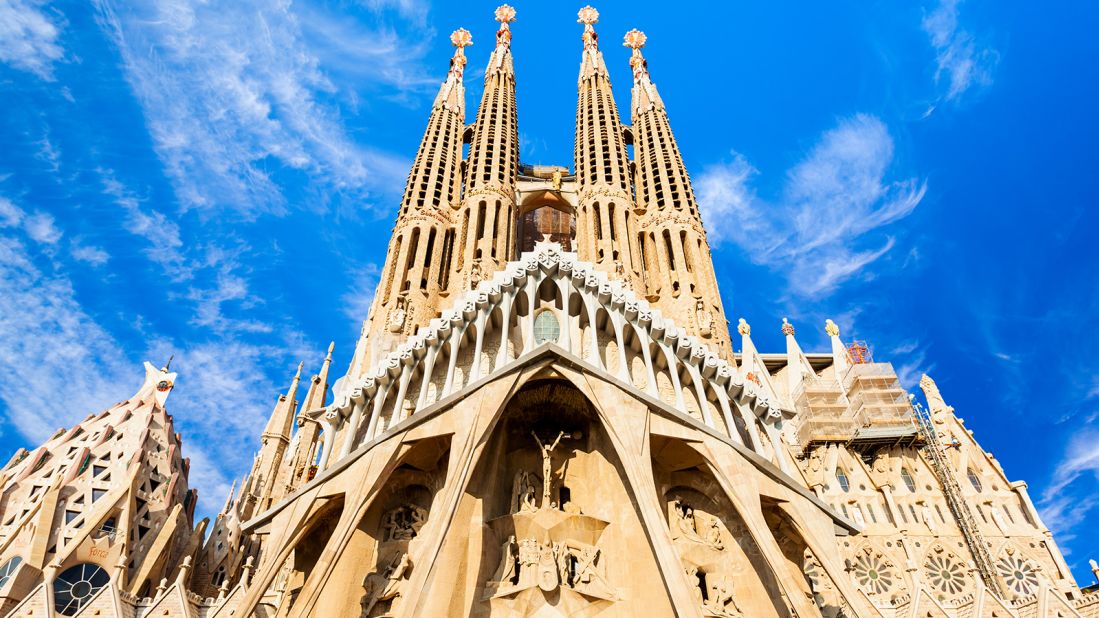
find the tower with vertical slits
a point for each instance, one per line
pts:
(680, 271)
(605, 216)
(417, 269)
(544, 416)
(486, 220)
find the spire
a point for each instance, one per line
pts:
(486, 221)
(158, 384)
(605, 227)
(500, 60)
(935, 402)
(680, 278)
(591, 62)
(645, 96)
(318, 388)
(229, 499)
(452, 93)
(840, 360)
(281, 422)
(797, 365)
(751, 365)
(417, 264)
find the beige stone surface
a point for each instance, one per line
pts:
(545, 427)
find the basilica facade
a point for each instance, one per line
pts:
(547, 414)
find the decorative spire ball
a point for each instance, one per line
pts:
(635, 39)
(787, 327)
(742, 326)
(831, 328)
(505, 14)
(461, 38)
(588, 16)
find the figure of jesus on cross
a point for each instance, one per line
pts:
(546, 454)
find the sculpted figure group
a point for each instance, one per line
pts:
(548, 565)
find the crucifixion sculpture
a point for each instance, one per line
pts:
(547, 452)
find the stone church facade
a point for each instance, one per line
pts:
(545, 415)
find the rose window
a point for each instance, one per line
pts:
(872, 573)
(1018, 574)
(74, 587)
(946, 574)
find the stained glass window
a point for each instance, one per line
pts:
(974, 480)
(907, 478)
(546, 327)
(8, 570)
(841, 478)
(76, 586)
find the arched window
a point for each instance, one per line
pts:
(546, 327)
(906, 476)
(841, 478)
(974, 480)
(8, 570)
(75, 586)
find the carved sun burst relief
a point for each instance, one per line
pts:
(873, 573)
(1019, 575)
(946, 574)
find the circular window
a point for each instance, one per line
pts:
(1018, 574)
(74, 587)
(546, 327)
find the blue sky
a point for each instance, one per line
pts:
(217, 181)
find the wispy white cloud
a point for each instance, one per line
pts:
(88, 254)
(52, 347)
(828, 224)
(28, 36)
(1073, 492)
(960, 62)
(234, 97)
(10, 214)
(41, 228)
(165, 246)
(913, 365)
(360, 295)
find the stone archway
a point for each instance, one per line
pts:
(542, 214)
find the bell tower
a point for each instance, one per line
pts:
(680, 279)
(488, 212)
(417, 266)
(604, 221)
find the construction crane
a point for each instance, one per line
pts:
(954, 499)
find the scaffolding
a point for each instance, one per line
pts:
(956, 502)
(859, 353)
(866, 409)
